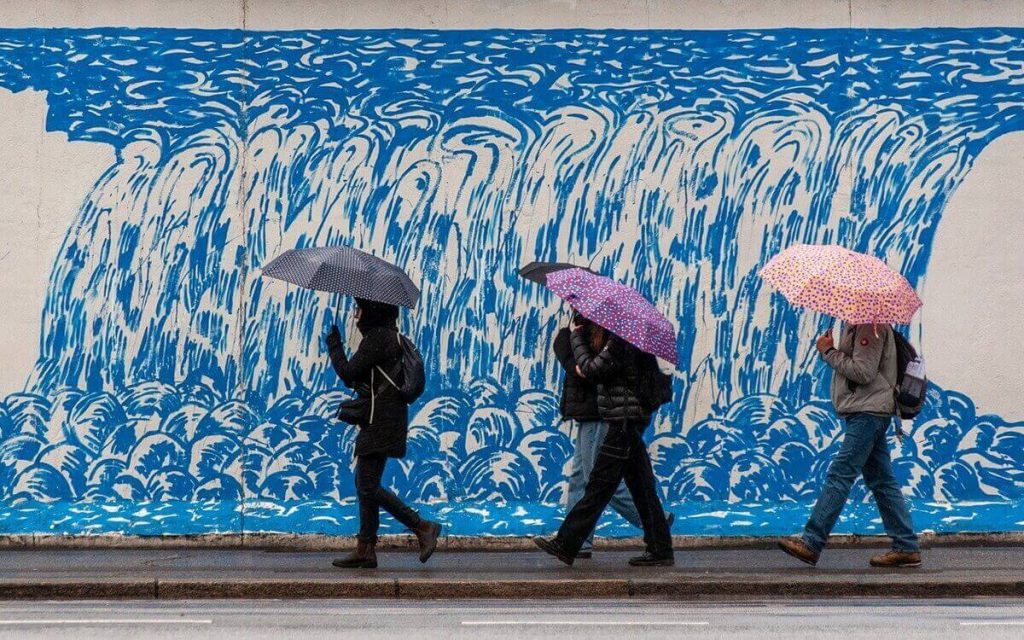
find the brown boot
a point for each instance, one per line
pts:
(427, 533)
(364, 557)
(897, 560)
(799, 550)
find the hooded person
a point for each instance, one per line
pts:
(383, 420)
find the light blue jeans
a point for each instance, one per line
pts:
(589, 436)
(865, 450)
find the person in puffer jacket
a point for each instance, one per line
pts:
(579, 404)
(611, 363)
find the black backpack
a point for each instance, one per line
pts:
(410, 366)
(655, 385)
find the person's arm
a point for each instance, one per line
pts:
(369, 354)
(563, 350)
(862, 366)
(594, 367)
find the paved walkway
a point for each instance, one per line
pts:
(247, 573)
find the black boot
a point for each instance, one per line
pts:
(427, 533)
(551, 547)
(648, 559)
(364, 557)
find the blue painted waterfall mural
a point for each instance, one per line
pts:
(176, 391)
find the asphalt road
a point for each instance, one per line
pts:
(870, 619)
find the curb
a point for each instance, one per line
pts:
(319, 542)
(697, 588)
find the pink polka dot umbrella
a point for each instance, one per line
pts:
(851, 286)
(617, 308)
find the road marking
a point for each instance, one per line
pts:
(583, 623)
(992, 623)
(85, 621)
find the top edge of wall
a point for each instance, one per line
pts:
(514, 14)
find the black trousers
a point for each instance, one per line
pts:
(373, 498)
(623, 457)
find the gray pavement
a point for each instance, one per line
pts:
(248, 573)
(566, 619)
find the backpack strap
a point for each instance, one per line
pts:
(398, 336)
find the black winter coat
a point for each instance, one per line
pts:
(615, 370)
(386, 434)
(579, 396)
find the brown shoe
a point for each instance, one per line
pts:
(427, 534)
(364, 557)
(897, 560)
(799, 550)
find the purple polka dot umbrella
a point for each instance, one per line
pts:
(851, 286)
(617, 308)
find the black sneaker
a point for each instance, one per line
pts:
(551, 547)
(650, 560)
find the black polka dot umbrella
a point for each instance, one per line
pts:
(344, 270)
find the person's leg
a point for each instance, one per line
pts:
(369, 470)
(639, 478)
(858, 441)
(587, 441)
(394, 505)
(892, 506)
(604, 480)
(622, 501)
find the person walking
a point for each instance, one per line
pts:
(579, 404)
(383, 428)
(863, 379)
(612, 364)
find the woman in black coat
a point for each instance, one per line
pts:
(382, 433)
(614, 366)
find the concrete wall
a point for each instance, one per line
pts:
(155, 155)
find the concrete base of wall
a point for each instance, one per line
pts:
(293, 542)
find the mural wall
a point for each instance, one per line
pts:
(178, 392)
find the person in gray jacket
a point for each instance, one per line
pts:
(863, 385)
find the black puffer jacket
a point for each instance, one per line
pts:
(579, 396)
(386, 434)
(617, 375)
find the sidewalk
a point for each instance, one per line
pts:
(249, 573)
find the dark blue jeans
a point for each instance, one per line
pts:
(865, 450)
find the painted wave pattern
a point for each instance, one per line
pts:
(156, 443)
(677, 161)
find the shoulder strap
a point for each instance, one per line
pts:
(398, 336)
(387, 377)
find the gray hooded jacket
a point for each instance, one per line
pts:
(865, 356)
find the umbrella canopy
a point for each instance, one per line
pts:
(851, 286)
(344, 270)
(617, 308)
(538, 271)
